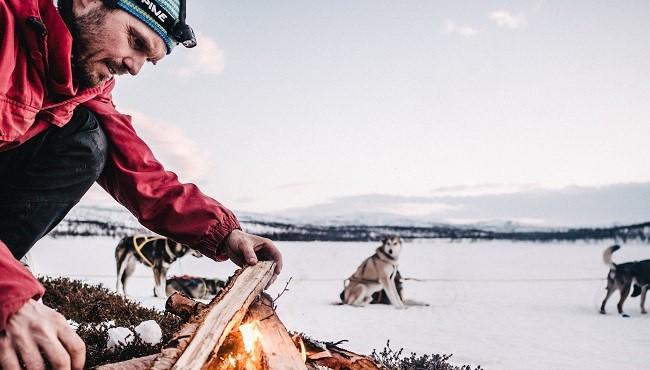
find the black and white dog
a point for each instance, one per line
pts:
(623, 276)
(194, 286)
(156, 252)
(376, 274)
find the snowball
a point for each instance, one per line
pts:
(149, 331)
(119, 336)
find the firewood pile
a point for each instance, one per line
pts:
(240, 329)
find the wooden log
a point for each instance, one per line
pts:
(205, 332)
(183, 306)
(140, 363)
(278, 348)
(333, 357)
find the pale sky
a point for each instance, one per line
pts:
(290, 104)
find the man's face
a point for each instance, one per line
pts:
(109, 42)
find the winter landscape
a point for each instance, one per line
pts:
(498, 304)
(506, 143)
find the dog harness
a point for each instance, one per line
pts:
(147, 239)
(356, 279)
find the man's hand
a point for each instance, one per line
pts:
(243, 248)
(37, 329)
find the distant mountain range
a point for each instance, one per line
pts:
(97, 221)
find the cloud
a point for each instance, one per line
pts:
(206, 58)
(373, 206)
(535, 206)
(173, 148)
(414, 209)
(450, 27)
(505, 19)
(482, 189)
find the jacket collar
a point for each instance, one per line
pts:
(59, 50)
(54, 40)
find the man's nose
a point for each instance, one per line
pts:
(134, 64)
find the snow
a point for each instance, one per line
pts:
(501, 305)
(149, 331)
(119, 336)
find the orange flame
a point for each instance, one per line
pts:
(232, 361)
(250, 335)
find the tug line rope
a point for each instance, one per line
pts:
(419, 280)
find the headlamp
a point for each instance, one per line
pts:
(170, 28)
(181, 32)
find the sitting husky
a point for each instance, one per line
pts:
(156, 252)
(376, 273)
(194, 286)
(622, 276)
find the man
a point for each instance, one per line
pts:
(60, 132)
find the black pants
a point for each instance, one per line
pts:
(41, 180)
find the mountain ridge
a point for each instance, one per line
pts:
(114, 222)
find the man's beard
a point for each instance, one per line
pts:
(86, 34)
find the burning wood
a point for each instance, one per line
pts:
(330, 356)
(235, 354)
(277, 347)
(262, 342)
(205, 332)
(214, 337)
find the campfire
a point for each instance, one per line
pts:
(240, 330)
(242, 350)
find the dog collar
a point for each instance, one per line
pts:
(384, 254)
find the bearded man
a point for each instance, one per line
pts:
(60, 132)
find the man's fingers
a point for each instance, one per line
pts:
(274, 254)
(75, 347)
(29, 353)
(249, 255)
(268, 251)
(277, 257)
(56, 355)
(9, 360)
(8, 357)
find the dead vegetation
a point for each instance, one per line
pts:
(212, 336)
(92, 307)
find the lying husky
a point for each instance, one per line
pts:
(623, 276)
(376, 273)
(156, 252)
(194, 286)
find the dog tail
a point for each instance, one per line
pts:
(607, 255)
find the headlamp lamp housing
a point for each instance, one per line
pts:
(181, 32)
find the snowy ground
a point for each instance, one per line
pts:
(502, 305)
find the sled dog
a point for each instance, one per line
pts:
(375, 273)
(624, 276)
(194, 286)
(156, 252)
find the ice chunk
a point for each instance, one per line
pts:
(119, 336)
(149, 331)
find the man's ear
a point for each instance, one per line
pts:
(82, 7)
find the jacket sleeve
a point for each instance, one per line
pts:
(154, 196)
(17, 285)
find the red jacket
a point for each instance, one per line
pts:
(37, 90)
